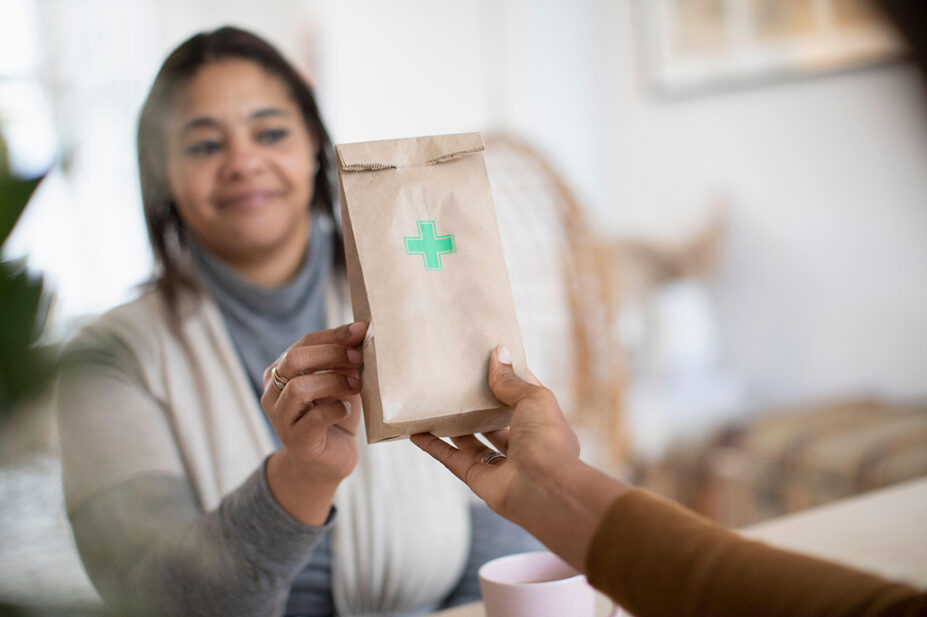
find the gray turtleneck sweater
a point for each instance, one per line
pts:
(264, 321)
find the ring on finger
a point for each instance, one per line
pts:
(492, 458)
(279, 381)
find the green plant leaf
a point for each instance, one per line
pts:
(14, 195)
(8, 610)
(24, 369)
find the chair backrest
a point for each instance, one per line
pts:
(561, 282)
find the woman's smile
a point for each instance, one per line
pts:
(248, 200)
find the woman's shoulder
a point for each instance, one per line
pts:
(135, 317)
(136, 329)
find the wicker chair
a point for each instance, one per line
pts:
(561, 282)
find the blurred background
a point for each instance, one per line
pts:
(714, 214)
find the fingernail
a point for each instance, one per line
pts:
(354, 382)
(503, 355)
(356, 327)
(347, 407)
(354, 356)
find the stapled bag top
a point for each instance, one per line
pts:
(402, 153)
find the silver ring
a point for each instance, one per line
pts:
(279, 382)
(492, 457)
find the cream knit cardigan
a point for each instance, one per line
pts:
(402, 535)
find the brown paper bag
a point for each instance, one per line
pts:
(426, 269)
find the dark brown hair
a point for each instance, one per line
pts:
(909, 18)
(165, 228)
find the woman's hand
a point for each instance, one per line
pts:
(540, 483)
(315, 414)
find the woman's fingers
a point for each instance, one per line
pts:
(471, 446)
(499, 438)
(299, 360)
(458, 462)
(508, 387)
(349, 335)
(322, 416)
(326, 350)
(311, 433)
(530, 399)
(302, 391)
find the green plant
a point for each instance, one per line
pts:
(24, 368)
(8, 610)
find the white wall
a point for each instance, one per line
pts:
(823, 287)
(400, 68)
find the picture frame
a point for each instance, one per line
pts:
(690, 46)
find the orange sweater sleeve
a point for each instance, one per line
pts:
(656, 558)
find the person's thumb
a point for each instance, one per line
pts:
(508, 387)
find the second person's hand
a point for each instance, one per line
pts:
(537, 438)
(540, 483)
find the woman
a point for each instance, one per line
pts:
(184, 497)
(652, 557)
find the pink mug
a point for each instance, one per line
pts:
(536, 585)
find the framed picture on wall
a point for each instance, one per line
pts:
(693, 45)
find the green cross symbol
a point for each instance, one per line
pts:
(429, 246)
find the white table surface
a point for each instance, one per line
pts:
(884, 532)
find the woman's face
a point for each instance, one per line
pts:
(241, 162)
